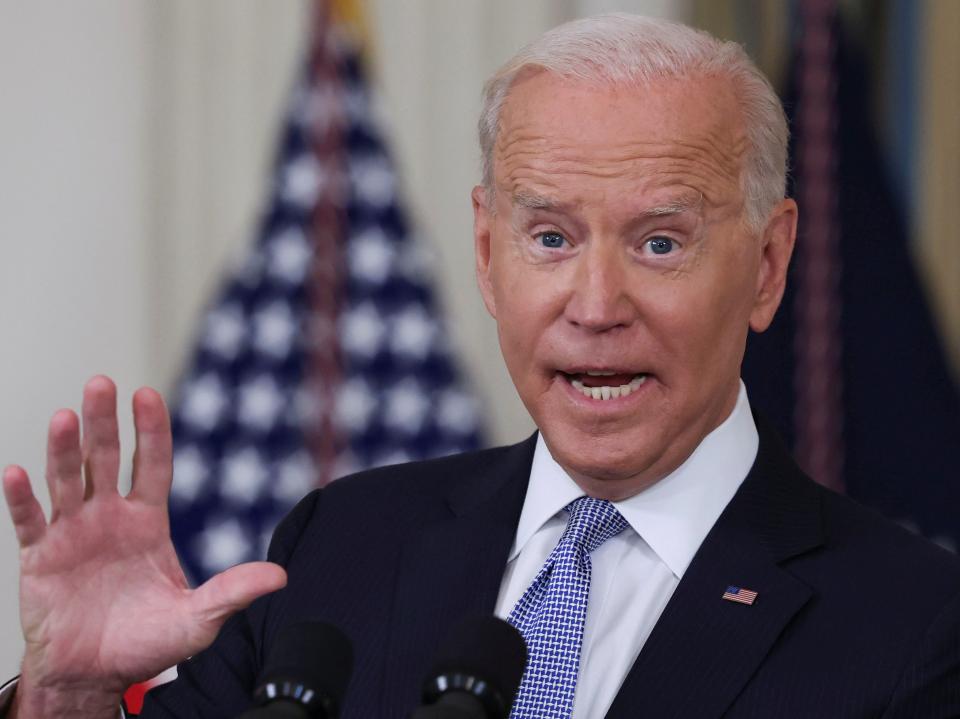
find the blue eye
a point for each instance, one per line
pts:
(552, 240)
(661, 245)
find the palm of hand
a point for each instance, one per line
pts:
(103, 599)
(104, 593)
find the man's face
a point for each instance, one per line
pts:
(617, 264)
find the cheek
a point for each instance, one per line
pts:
(519, 307)
(528, 291)
(524, 317)
(699, 321)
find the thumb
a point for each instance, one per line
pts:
(234, 589)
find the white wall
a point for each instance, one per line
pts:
(134, 137)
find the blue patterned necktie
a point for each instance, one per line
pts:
(551, 613)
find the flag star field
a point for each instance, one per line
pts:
(251, 393)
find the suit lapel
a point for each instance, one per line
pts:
(452, 564)
(704, 648)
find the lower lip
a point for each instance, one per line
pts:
(614, 404)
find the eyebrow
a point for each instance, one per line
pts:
(676, 207)
(532, 201)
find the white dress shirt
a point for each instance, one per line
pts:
(635, 573)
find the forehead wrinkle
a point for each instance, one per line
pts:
(508, 139)
(545, 172)
(540, 185)
(685, 201)
(705, 159)
(719, 143)
(715, 187)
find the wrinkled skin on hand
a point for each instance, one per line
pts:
(103, 601)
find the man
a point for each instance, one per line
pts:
(654, 543)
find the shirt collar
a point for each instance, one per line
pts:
(672, 516)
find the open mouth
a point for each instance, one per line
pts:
(605, 384)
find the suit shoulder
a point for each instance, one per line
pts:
(428, 476)
(889, 551)
(386, 499)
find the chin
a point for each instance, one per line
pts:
(613, 458)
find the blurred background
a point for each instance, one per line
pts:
(262, 210)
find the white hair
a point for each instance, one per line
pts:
(620, 48)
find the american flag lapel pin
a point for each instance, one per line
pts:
(739, 594)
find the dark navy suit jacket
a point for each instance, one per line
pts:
(854, 616)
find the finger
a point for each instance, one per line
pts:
(25, 510)
(232, 590)
(153, 458)
(64, 464)
(101, 439)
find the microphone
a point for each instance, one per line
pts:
(476, 673)
(306, 675)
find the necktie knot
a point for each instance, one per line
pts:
(592, 522)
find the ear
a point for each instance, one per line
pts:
(482, 221)
(776, 248)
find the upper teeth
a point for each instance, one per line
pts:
(604, 373)
(607, 392)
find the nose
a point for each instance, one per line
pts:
(600, 298)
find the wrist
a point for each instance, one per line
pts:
(77, 700)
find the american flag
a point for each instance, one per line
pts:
(739, 594)
(323, 353)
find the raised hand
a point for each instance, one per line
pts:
(103, 601)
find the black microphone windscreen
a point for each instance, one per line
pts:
(314, 654)
(488, 648)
